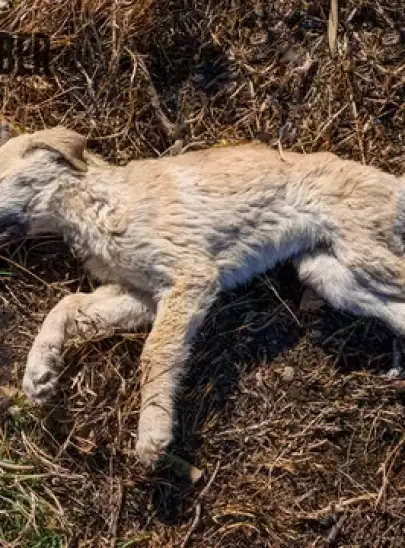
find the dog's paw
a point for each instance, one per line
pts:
(154, 436)
(41, 374)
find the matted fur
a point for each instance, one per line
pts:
(166, 236)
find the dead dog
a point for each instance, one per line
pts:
(165, 236)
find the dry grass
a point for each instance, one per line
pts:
(300, 440)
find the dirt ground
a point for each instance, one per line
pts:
(299, 438)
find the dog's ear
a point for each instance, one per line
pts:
(67, 143)
(7, 131)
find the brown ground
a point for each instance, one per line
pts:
(300, 440)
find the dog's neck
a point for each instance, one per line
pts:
(82, 208)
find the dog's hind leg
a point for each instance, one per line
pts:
(345, 290)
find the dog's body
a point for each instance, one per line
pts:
(166, 236)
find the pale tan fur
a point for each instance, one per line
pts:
(166, 236)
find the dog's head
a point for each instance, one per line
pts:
(29, 162)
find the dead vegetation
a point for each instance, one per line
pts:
(300, 440)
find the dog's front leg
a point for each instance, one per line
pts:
(106, 308)
(180, 313)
